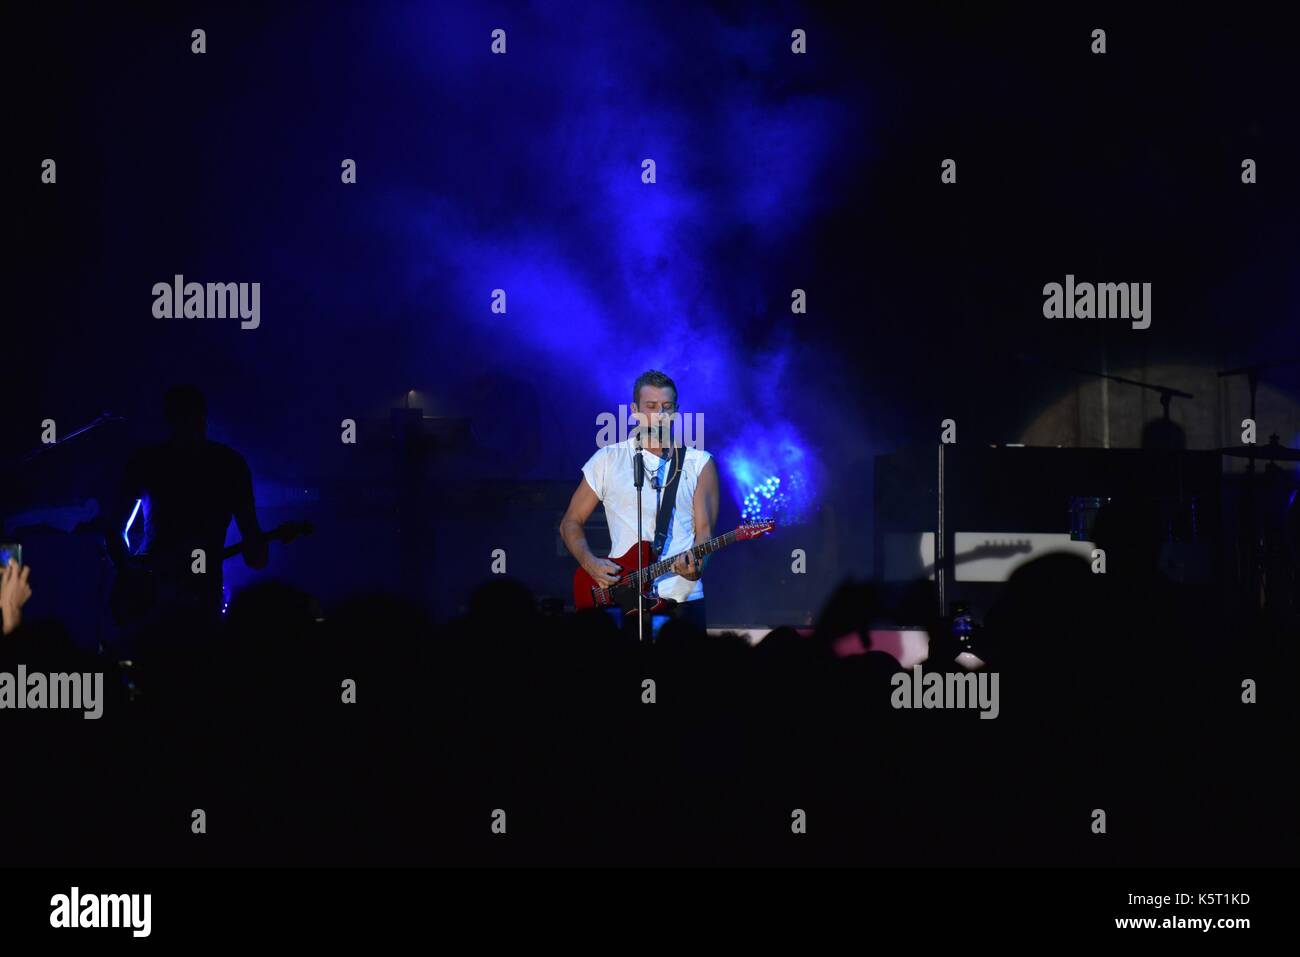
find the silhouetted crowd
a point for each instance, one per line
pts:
(1117, 694)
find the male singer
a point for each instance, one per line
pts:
(608, 478)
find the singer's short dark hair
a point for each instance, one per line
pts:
(655, 380)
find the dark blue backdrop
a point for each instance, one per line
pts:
(523, 172)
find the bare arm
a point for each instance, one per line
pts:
(581, 506)
(256, 552)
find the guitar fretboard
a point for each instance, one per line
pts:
(651, 572)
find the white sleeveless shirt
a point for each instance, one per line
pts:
(609, 473)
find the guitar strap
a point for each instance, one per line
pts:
(667, 504)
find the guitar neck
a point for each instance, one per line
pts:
(276, 534)
(651, 572)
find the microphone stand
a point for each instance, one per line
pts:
(94, 423)
(638, 479)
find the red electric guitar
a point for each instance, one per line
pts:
(622, 594)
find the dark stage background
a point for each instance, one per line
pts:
(522, 172)
(379, 697)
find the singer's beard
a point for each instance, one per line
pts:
(660, 434)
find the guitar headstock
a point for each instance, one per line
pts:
(754, 529)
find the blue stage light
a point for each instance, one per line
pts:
(126, 532)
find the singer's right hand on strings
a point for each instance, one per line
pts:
(603, 571)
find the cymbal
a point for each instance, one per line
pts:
(1272, 452)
